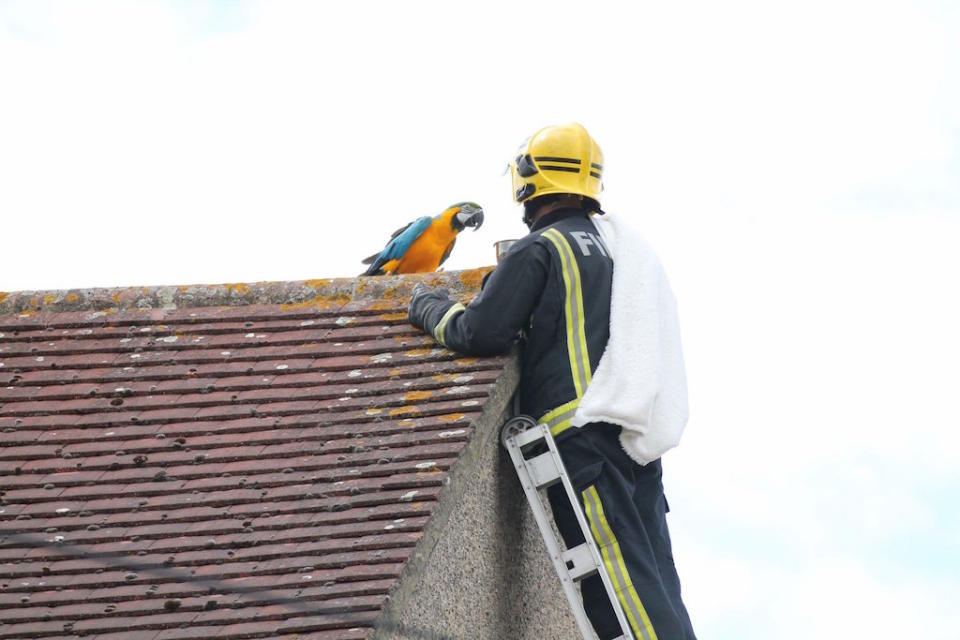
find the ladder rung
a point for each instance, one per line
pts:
(580, 562)
(543, 470)
(527, 437)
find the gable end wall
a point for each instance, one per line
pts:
(481, 570)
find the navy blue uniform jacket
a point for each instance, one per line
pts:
(553, 290)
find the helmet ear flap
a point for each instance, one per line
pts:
(525, 192)
(525, 166)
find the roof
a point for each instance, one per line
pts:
(230, 461)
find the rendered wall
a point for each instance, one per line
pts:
(481, 571)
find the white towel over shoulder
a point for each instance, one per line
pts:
(640, 382)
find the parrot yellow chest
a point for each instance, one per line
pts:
(426, 251)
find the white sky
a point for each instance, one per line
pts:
(796, 165)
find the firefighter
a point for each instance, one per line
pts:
(553, 288)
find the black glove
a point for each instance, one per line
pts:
(427, 306)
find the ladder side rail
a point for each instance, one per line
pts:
(546, 532)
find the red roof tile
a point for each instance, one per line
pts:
(258, 470)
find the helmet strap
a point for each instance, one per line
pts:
(532, 207)
(528, 214)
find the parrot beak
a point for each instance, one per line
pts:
(470, 215)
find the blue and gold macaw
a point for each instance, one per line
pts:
(424, 244)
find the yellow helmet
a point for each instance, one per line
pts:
(557, 159)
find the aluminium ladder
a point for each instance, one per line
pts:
(539, 468)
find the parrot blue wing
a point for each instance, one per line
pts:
(398, 245)
(370, 259)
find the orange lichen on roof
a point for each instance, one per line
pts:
(49, 299)
(386, 291)
(445, 377)
(3, 295)
(71, 298)
(321, 302)
(382, 305)
(240, 288)
(417, 395)
(451, 417)
(417, 353)
(317, 283)
(473, 279)
(430, 470)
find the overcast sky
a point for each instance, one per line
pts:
(797, 166)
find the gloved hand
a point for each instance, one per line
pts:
(427, 306)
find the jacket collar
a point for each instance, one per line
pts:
(556, 216)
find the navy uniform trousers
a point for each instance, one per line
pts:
(626, 510)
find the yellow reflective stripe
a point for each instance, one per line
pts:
(558, 420)
(576, 329)
(442, 325)
(616, 568)
(579, 324)
(568, 308)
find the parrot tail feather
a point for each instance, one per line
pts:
(382, 268)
